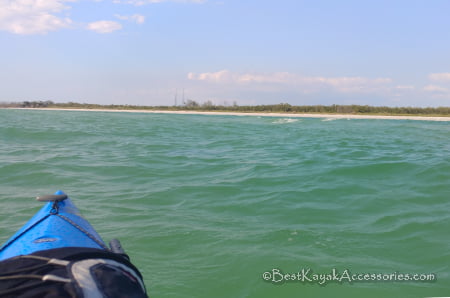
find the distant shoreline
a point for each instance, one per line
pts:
(261, 114)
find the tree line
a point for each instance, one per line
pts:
(191, 105)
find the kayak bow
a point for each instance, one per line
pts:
(58, 224)
(57, 253)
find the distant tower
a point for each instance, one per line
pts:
(176, 95)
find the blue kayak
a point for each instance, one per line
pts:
(58, 224)
(57, 253)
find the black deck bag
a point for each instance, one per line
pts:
(71, 272)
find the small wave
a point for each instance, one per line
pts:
(329, 119)
(284, 121)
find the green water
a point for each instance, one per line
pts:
(205, 205)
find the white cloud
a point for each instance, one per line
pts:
(32, 17)
(223, 76)
(104, 26)
(136, 18)
(44, 16)
(442, 77)
(304, 83)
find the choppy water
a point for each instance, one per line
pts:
(206, 204)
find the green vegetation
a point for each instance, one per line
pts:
(191, 105)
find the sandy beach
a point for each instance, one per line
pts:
(265, 114)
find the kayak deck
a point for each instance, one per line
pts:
(58, 224)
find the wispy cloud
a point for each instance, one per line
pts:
(307, 84)
(440, 77)
(136, 18)
(405, 87)
(33, 17)
(104, 26)
(438, 91)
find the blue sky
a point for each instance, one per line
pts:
(150, 52)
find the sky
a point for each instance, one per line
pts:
(245, 52)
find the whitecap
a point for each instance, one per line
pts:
(329, 119)
(284, 121)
